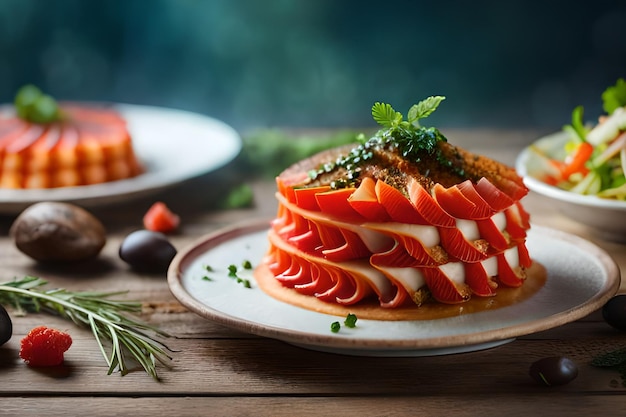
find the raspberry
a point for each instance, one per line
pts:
(43, 346)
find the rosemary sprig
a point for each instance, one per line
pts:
(99, 312)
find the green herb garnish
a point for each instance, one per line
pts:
(267, 152)
(232, 272)
(98, 312)
(239, 196)
(335, 326)
(246, 264)
(413, 141)
(615, 360)
(614, 97)
(350, 320)
(578, 124)
(33, 105)
(387, 117)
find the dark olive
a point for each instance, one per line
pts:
(553, 370)
(147, 251)
(614, 312)
(6, 326)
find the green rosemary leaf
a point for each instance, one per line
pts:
(119, 334)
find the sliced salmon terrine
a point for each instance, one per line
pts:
(84, 145)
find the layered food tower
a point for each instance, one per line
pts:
(403, 218)
(72, 145)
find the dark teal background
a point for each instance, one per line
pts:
(256, 63)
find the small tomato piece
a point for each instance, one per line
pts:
(159, 218)
(575, 162)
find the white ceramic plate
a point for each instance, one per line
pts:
(606, 217)
(581, 278)
(173, 145)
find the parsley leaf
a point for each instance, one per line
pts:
(423, 109)
(615, 96)
(385, 115)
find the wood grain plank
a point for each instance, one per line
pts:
(552, 403)
(267, 367)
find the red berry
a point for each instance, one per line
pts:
(43, 346)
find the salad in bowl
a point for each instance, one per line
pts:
(583, 166)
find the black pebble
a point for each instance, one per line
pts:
(147, 251)
(553, 370)
(6, 326)
(614, 312)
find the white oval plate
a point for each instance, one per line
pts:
(581, 278)
(173, 145)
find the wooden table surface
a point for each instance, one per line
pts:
(219, 371)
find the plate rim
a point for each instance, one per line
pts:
(351, 342)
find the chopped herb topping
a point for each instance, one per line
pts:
(350, 320)
(232, 273)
